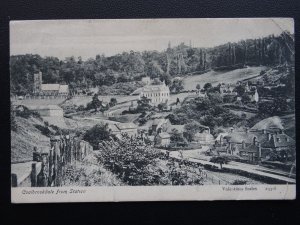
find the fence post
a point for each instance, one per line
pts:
(43, 176)
(33, 175)
(14, 180)
(55, 146)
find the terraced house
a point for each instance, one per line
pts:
(256, 145)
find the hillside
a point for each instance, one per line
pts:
(215, 77)
(26, 138)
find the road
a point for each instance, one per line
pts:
(251, 169)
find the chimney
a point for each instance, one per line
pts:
(264, 131)
(231, 129)
(247, 130)
(287, 139)
(278, 139)
(282, 131)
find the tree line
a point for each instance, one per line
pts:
(132, 66)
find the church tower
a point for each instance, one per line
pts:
(37, 82)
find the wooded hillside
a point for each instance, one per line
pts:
(130, 66)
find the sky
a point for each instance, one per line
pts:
(87, 38)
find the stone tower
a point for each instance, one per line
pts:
(37, 82)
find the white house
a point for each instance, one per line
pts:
(156, 93)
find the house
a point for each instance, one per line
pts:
(47, 110)
(162, 139)
(256, 145)
(159, 125)
(171, 128)
(48, 89)
(156, 93)
(227, 89)
(204, 137)
(146, 80)
(201, 94)
(123, 128)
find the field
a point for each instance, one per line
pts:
(25, 102)
(215, 77)
(105, 98)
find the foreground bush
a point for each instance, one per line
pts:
(136, 163)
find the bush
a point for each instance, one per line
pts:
(97, 134)
(137, 163)
(80, 108)
(26, 113)
(44, 130)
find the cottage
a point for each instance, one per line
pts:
(258, 144)
(204, 137)
(156, 93)
(162, 139)
(159, 125)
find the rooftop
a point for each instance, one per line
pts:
(63, 88)
(164, 135)
(50, 87)
(152, 88)
(269, 123)
(123, 126)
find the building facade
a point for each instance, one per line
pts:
(156, 93)
(48, 89)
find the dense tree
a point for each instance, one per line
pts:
(207, 86)
(143, 105)
(177, 86)
(97, 134)
(131, 66)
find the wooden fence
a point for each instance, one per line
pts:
(65, 150)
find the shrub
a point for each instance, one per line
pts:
(239, 182)
(44, 130)
(80, 108)
(26, 113)
(97, 134)
(136, 163)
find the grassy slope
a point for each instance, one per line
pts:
(214, 77)
(26, 138)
